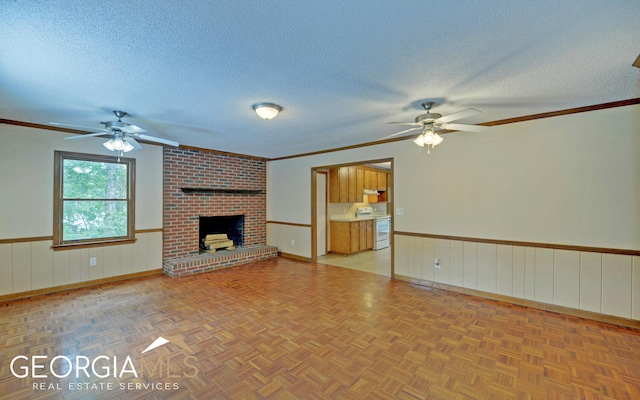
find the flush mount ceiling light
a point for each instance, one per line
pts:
(267, 110)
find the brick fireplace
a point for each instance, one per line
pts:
(210, 184)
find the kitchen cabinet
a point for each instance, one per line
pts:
(382, 181)
(344, 185)
(343, 174)
(347, 184)
(351, 237)
(366, 234)
(353, 188)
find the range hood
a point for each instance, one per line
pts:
(371, 192)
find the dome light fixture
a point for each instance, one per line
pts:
(267, 110)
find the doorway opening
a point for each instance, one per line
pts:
(349, 202)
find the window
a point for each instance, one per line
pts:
(93, 199)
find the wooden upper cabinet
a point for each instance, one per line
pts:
(360, 183)
(373, 180)
(347, 184)
(353, 188)
(343, 179)
(370, 179)
(334, 186)
(382, 181)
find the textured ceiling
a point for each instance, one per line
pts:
(190, 70)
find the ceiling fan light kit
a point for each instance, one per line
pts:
(123, 135)
(428, 138)
(430, 122)
(267, 110)
(118, 143)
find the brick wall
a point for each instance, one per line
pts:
(201, 169)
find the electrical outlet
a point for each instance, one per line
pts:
(93, 262)
(293, 242)
(436, 263)
(399, 211)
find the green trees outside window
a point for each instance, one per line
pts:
(94, 199)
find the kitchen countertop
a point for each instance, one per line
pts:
(352, 218)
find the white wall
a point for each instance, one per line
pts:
(26, 201)
(568, 180)
(572, 180)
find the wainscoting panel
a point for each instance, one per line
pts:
(96, 272)
(470, 260)
(591, 282)
(518, 272)
(635, 289)
(456, 260)
(442, 274)
(111, 263)
(544, 275)
(60, 268)
(529, 273)
(425, 247)
(41, 265)
(487, 267)
(127, 259)
(21, 257)
(616, 284)
(404, 258)
(566, 283)
(31, 266)
(281, 235)
(603, 283)
(417, 267)
(504, 260)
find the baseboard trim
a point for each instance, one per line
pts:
(609, 319)
(78, 285)
(295, 257)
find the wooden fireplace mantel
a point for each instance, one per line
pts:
(221, 191)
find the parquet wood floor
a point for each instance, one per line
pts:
(285, 329)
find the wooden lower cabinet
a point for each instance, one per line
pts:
(351, 237)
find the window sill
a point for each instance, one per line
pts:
(86, 245)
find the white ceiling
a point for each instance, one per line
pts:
(190, 70)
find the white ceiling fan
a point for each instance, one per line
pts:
(430, 122)
(122, 135)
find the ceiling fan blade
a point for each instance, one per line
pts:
(90, 129)
(158, 140)
(87, 135)
(401, 132)
(134, 143)
(132, 129)
(405, 123)
(464, 127)
(459, 115)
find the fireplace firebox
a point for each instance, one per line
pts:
(232, 225)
